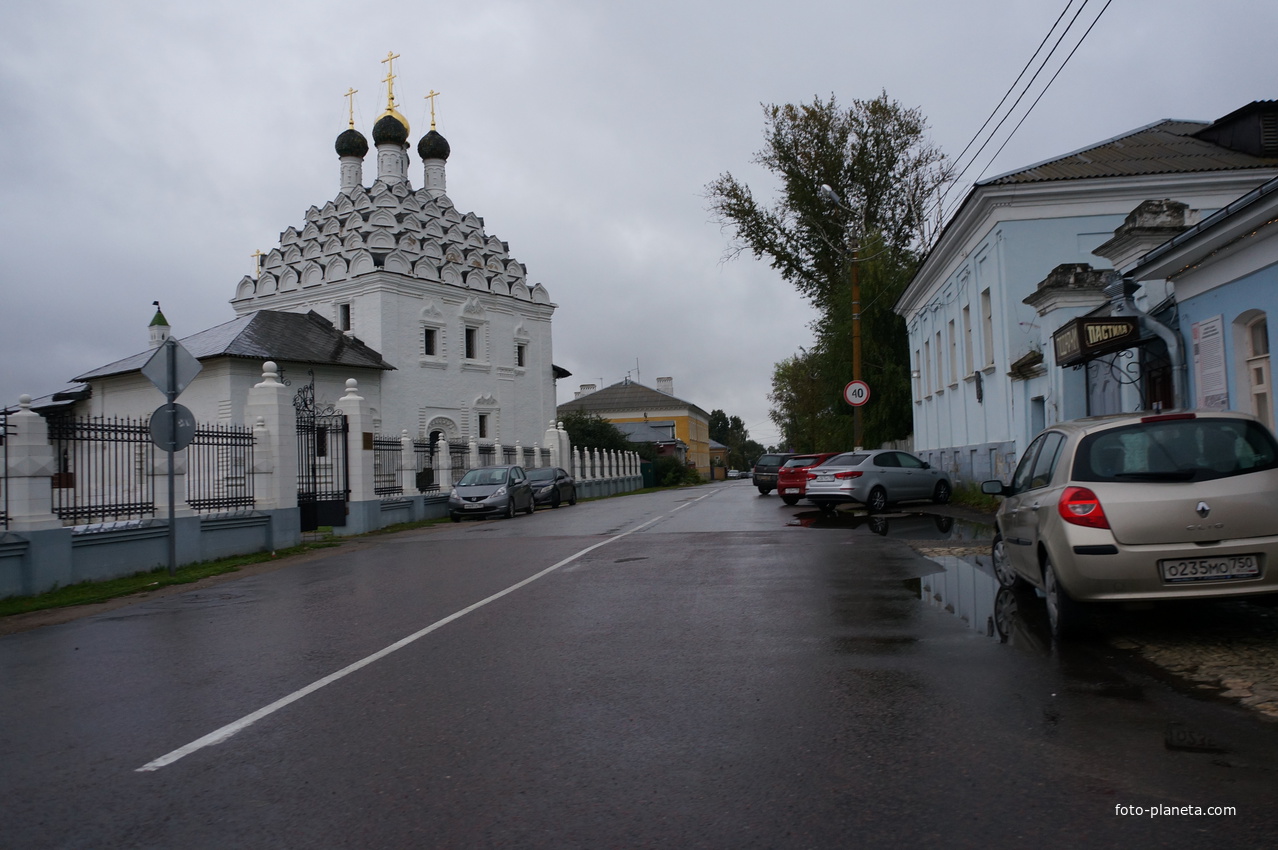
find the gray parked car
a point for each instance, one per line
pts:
(875, 479)
(491, 491)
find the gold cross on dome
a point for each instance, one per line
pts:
(389, 62)
(257, 260)
(350, 105)
(431, 97)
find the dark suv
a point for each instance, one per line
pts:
(765, 471)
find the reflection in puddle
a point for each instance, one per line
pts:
(967, 589)
(908, 526)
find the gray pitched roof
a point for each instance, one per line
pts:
(266, 335)
(626, 395)
(1164, 147)
(644, 432)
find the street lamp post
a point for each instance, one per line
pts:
(829, 194)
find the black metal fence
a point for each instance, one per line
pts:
(219, 468)
(103, 469)
(459, 457)
(387, 452)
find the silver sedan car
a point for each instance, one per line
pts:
(875, 479)
(1133, 508)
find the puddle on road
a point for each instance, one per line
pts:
(907, 525)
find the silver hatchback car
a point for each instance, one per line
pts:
(1136, 507)
(875, 479)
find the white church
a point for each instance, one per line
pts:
(388, 284)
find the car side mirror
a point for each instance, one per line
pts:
(994, 488)
(927, 465)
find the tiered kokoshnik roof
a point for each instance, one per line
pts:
(387, 227)
(391, 228)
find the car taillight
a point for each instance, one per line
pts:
(848, 474)
(1079, 506)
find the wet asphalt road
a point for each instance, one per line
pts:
(717, 677)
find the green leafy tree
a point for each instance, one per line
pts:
(592, 431)
(732, 432)
(876, 157)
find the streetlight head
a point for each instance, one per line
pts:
(828, 193)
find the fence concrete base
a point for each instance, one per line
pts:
(363, 517)
(34, 562)
(597, 488)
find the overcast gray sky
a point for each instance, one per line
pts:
(153, 146)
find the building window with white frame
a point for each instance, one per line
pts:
(987, 327)
(1259, 379)
(521, 354)
(954, 369)
(969, 365)
(472, 344)
(483, 426)
(344, 317)
(430, 342)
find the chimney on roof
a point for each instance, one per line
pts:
(586, 389)
(665, 385)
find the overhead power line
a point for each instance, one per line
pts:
(1038, 59)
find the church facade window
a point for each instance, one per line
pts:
(430, 342)
(472, 344)
(344, 317)
(483, 426)
(521, 355)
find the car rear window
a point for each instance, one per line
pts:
(770, 460)
(1198, 449)
(804, 460)
(847, 459)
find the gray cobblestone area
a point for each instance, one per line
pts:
(1227, 648)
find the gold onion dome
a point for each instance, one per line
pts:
(391, 128)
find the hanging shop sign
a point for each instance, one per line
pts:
(1089, 337)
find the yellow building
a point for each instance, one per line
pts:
(629, 402)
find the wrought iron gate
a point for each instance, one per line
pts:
(322, 466)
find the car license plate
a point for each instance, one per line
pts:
(790, 490)
(1225, 568)
(825, 478)
(472, 507)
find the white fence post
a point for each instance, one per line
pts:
(30, 470)
(270, 410)
(407, 464)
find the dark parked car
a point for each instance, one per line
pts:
(765, 471)
(875, 479)
(552, 486)
(491, 491)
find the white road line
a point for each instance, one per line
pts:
(694, 501)
(220, 735)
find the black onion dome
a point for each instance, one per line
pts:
(390, 130)
(352, 143)
(433, 146)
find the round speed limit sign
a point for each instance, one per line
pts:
(856, 393)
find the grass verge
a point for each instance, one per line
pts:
(87, 592)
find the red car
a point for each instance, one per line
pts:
(792, 477)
